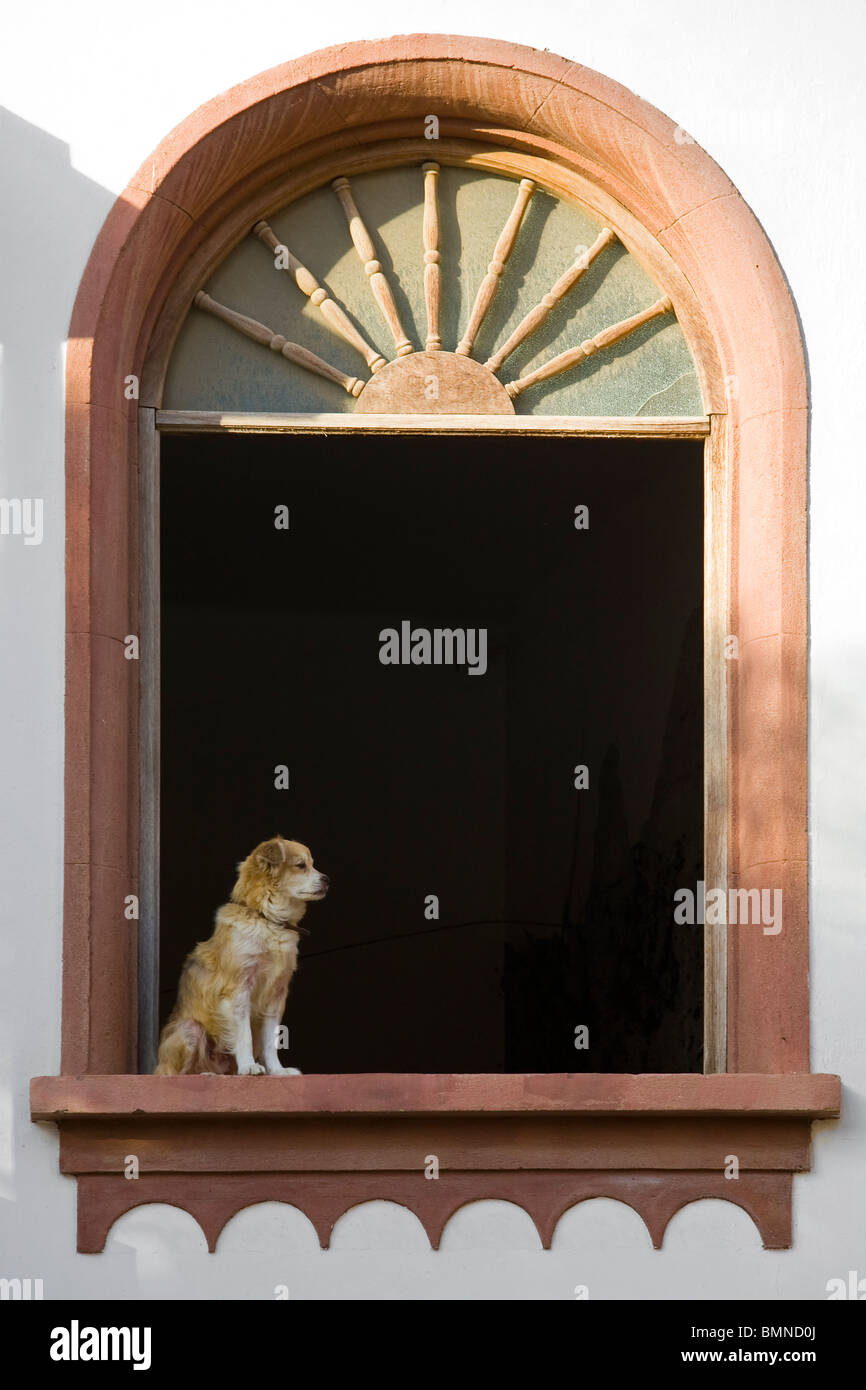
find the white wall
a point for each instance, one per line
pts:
(775, 92)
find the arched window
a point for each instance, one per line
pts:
(497, 247)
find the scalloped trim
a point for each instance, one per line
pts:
(213, 1199)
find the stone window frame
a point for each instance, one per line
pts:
(214, 1146)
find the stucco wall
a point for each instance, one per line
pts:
(774, 92)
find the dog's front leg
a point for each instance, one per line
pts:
(270, 1024)
(243, 1040)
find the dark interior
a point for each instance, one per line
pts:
(555, 904)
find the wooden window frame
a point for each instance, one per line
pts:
(324, 1143)
(154, 423)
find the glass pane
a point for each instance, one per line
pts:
(215, 368)
(483, 907)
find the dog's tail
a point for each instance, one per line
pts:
(183, 1049)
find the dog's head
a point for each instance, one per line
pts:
(278, 880)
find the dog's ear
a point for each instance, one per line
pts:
(272, 853)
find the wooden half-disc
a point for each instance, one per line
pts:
(434, 383)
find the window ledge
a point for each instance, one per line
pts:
(392, 1093)
(214, 1145)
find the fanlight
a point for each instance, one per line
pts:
(429, 378)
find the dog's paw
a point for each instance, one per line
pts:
(284, 1071)
(254, 1069)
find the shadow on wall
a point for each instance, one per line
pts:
(50, 216)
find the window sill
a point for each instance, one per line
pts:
(214, 1145)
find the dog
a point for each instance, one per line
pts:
(233, 986)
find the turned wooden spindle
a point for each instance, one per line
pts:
(574, 356)
(564, 285)
(501, 253)
(293, 352)
(365, 248)
(333, 313)
(432, 272)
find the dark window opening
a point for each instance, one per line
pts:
(555, 904)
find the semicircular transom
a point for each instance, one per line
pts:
(433, 289)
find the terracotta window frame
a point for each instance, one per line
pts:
(324, 1143)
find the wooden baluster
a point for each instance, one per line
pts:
(588, 348)
(501, 252)
(432, 272)
(293, 352)
(564, 285)
(363, 244)
(333, 314)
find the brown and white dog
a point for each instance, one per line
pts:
(233, 986)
